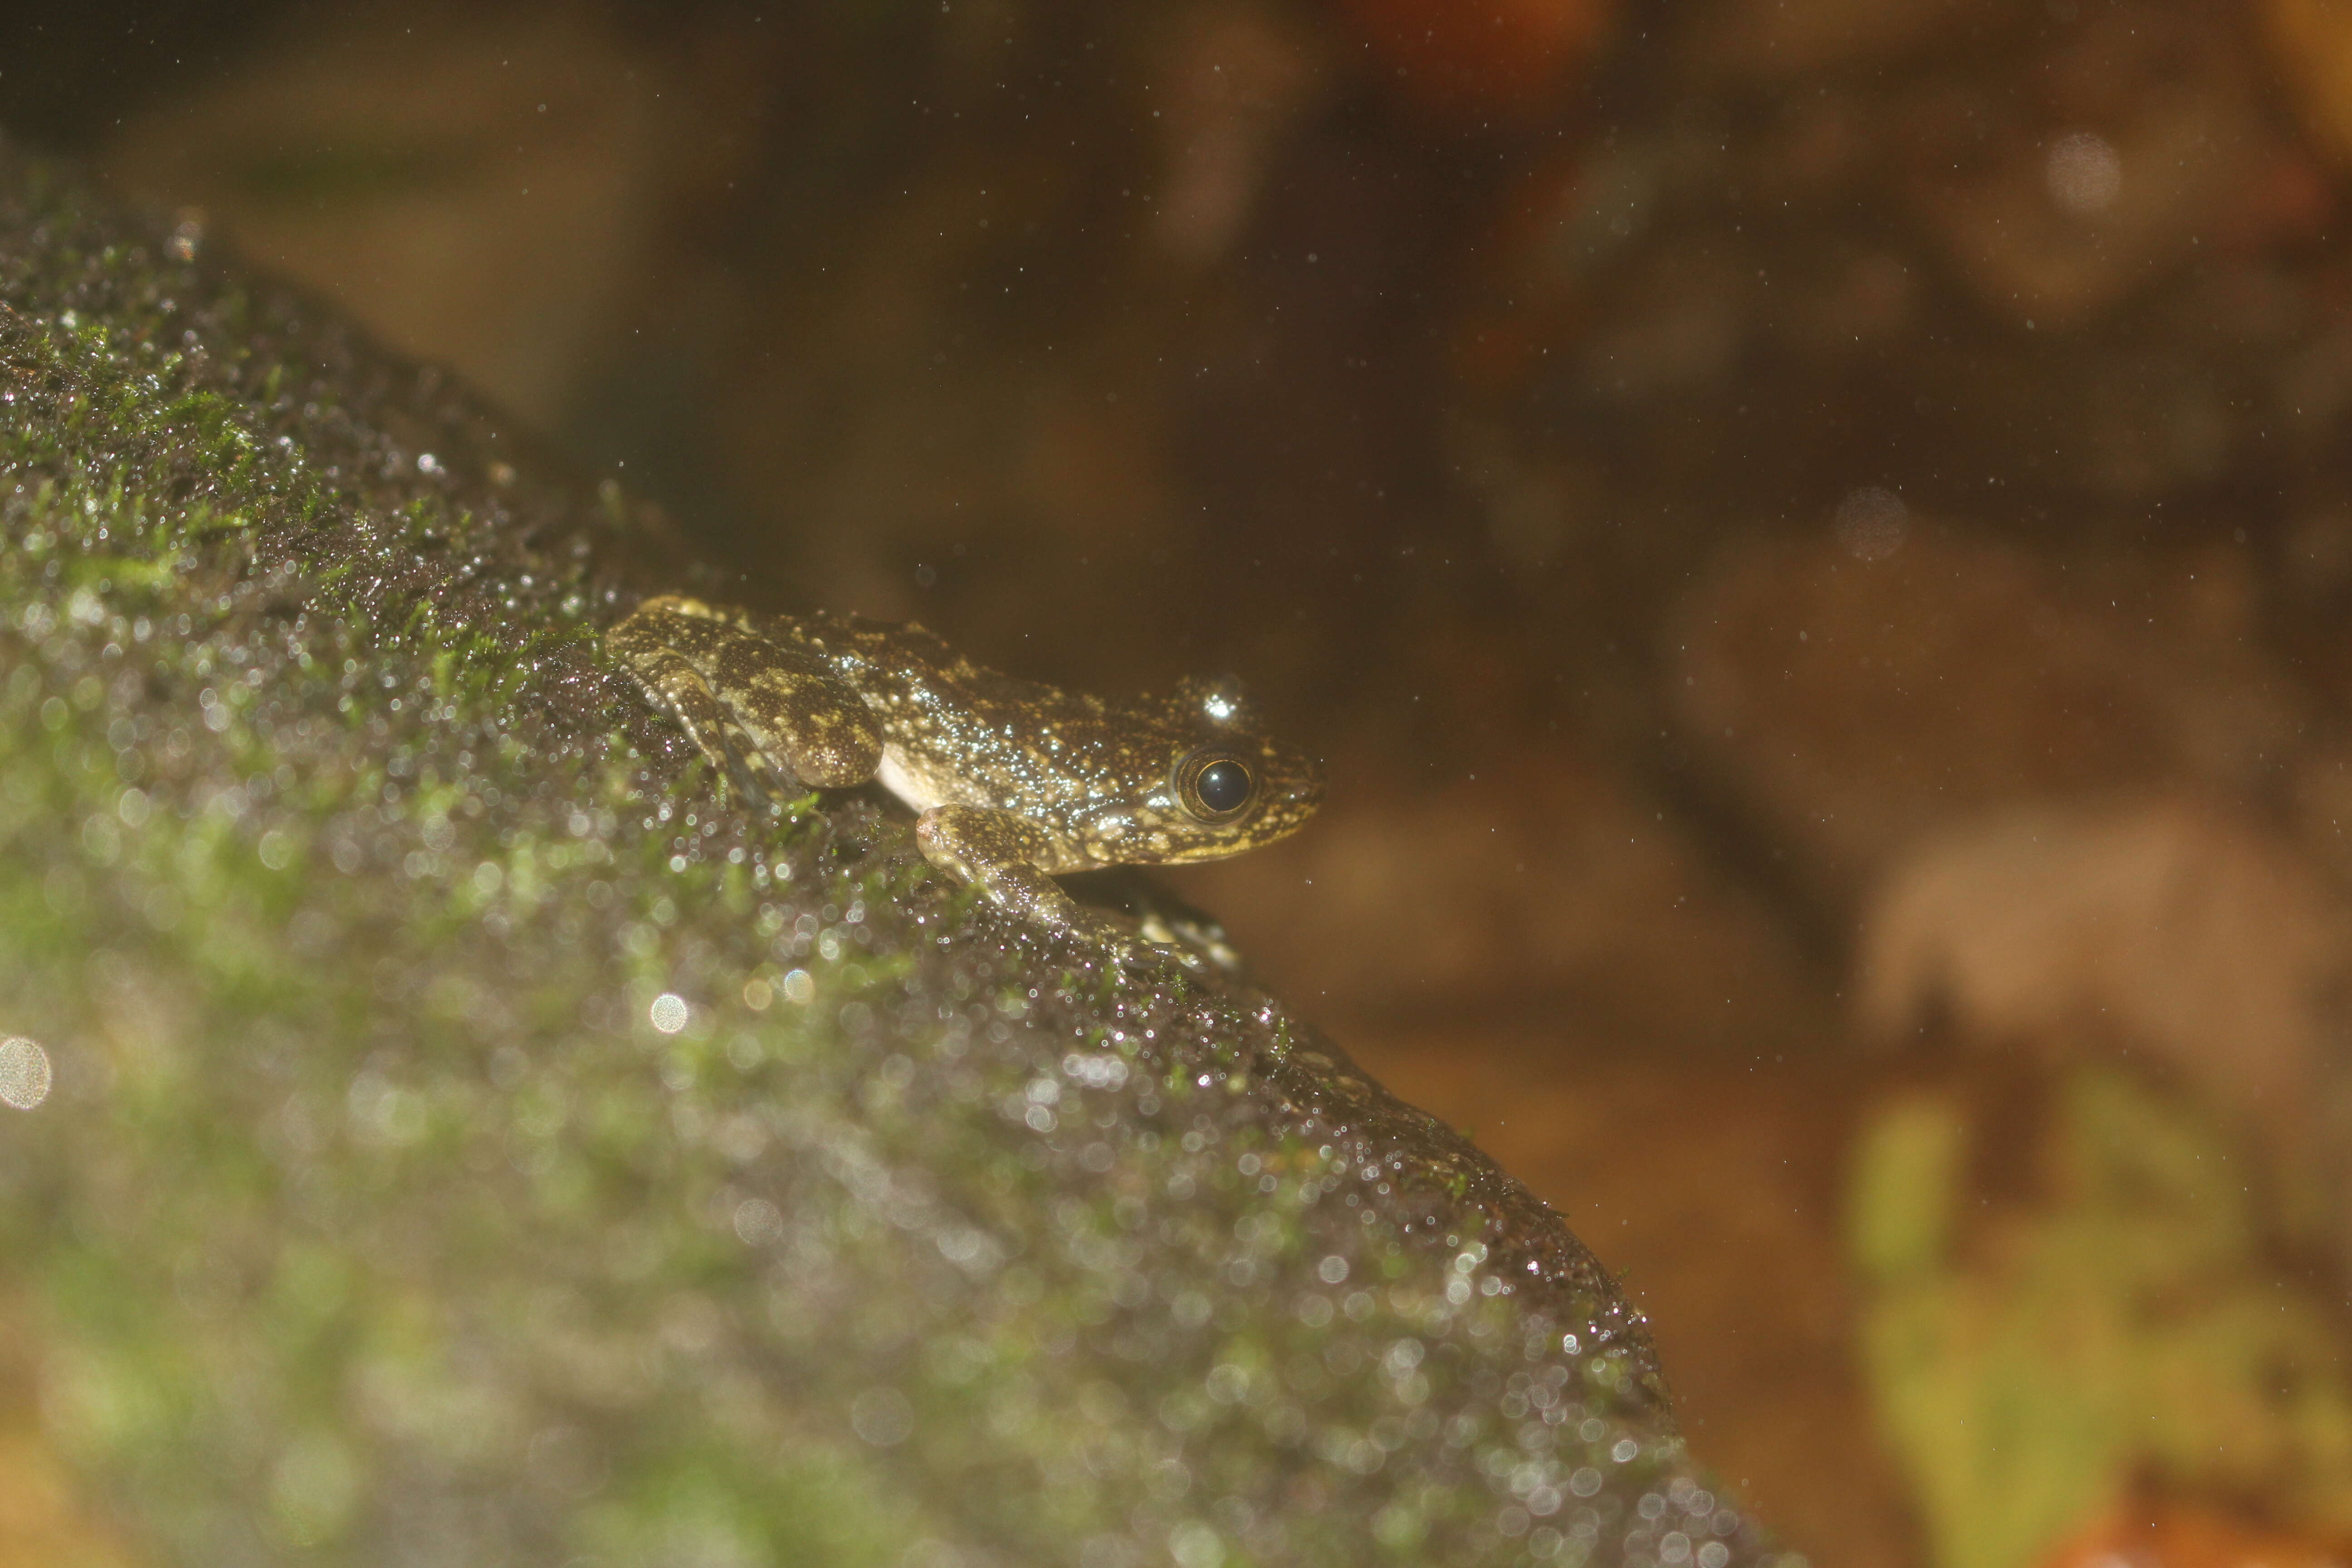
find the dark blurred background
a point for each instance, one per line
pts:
(1815, 536)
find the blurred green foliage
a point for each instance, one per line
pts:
(2128, 1325)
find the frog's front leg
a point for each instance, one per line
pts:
(735, 691)
(1000, 852)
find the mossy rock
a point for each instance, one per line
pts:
(471, 1140)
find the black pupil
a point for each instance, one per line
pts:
(1223, 787)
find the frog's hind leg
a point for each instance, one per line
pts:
(752, 705)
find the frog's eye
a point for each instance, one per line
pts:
(1216, 785)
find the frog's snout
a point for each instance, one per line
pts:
(1298, 781)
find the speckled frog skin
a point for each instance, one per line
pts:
(1015, 781)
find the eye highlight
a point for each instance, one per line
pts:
(1216, 785)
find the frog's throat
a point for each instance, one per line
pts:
(920, 792)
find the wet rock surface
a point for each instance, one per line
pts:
(459, 1138)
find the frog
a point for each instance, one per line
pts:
(1013, 782)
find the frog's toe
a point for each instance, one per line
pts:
(745, 768)
(1124, 952)
(678, 687)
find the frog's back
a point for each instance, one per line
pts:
(959, 732)
(905, 665)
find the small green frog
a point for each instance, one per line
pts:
(1014, 781)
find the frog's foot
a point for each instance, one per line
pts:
(759, 710)
(1156, 921)
(998, 852)
(1197, 942)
